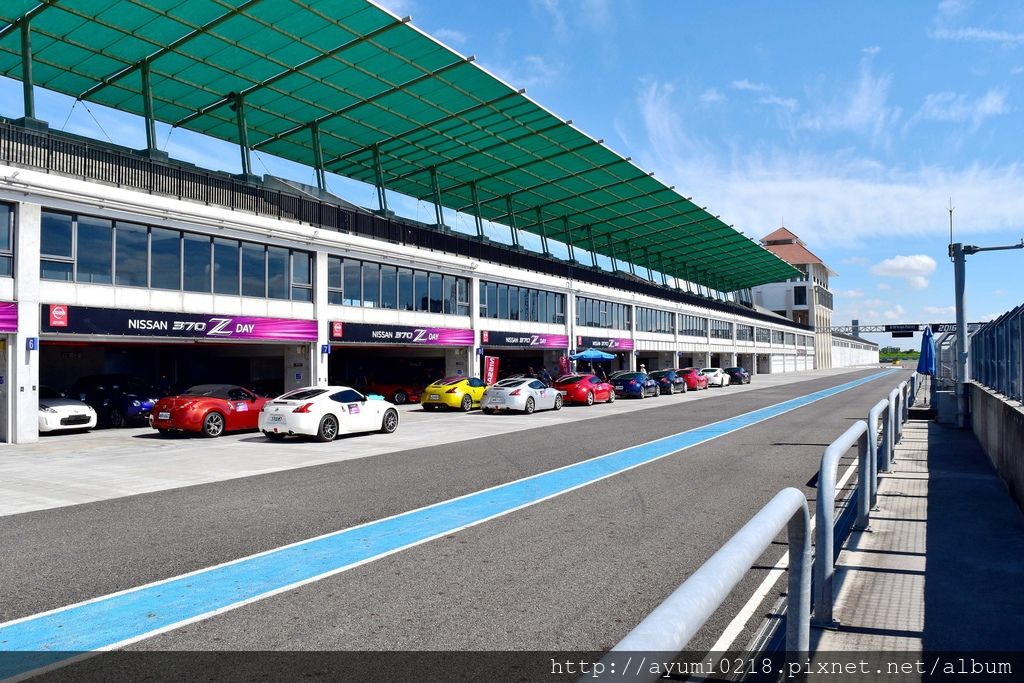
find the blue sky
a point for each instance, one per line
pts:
(854, 123)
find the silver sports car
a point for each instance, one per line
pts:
(522, 394)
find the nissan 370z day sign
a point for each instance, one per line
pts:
(65, 319)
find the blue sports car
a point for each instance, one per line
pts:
(118, 399)
(634, 384)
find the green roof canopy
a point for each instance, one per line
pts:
(367, 83)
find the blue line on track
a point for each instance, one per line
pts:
(114, 620)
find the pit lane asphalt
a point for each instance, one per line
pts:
(573, 572)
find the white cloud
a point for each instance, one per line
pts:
(894, 313)
(839, 198)
(784, 102)
(988, 317)
(949, 311)
(711, 95)
(401, 8)
(854, 261)
(1000, 292)
(750, 85)
(884, 286)
(851, 293)
(529, 72)
(566, 16)
(976, 34)
(950, 107)
(450, 36)
(951, 8)
(914, 269)
(863, 108)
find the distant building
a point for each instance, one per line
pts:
(807, 299)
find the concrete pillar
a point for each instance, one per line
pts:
(632, 335)
(24, 384)
(474, 364)
(318, 361)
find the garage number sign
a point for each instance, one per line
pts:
(135, 323)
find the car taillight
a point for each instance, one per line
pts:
(514, 392)
(304, 408)
(633, 383)
(453, 390)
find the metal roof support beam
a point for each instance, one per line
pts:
(296, 69)
(543, 232)
(438, 211)
(432, 124)
(629, 259)
(476, 211)
(647, 263)
(201, 31)
(243, 136)
(318, 159)
(611, 251)
(382, 195)
(147, 107)
(27, 87)
(661, 269)
(512, 221)
(568, 238)
(593, 249)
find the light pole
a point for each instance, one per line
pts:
(959, 253)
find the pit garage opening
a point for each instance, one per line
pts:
(112, 358)
(396, 361)
(517, 352)
(621, 348)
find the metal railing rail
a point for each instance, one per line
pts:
(997, 354)
(676, 620)
(876, 454)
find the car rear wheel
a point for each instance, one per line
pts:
(390, 422)
(558, 402)
(213, 425)
(400, 398)
(531, 405)
(467, 403)
(590, 398)
(117, 419)
(328, 430)
(274, 436)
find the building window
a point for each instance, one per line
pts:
(506, 302)
(302, 276)
(389, 287)
(56, 240)
(353, 286)
(606, 314)
(800, 296)
(164, 258)
(351, 282)
(790, 339)
(95, 250)
(371, 285)
(277, 273)
(6, 240)
(720, 329)
(654, 320)
(225, 266)
(693, 326)
(406, 300)
(763, 335)
(254, 270)
(744, 333)
(131, 244)
(777, 336)
(196, 250)
(334, 287)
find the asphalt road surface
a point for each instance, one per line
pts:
(575, 572)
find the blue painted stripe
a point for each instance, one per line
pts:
(115, 619)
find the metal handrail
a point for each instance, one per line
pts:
(825, 509)
(886, 464)
(875, 456)
(676, 620)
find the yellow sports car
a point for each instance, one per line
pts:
(463, 393)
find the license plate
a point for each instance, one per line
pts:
(618, 387)
(497, 401)
(277, 418)
(435, 397)
(164, 416)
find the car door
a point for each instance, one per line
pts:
(242, 412)
(599, 388)
(543, 395)
(476, 389)
(354, 413)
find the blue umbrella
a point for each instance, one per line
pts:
(926, 363)
(592, 354)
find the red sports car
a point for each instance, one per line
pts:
(694, 379)
(398, 393)
(585, 389)
(209, 409)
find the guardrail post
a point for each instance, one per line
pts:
(825, 509)
(906, 404)
(873, 456)
(893, 399)
(913, 389)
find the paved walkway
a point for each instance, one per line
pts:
(943, 565)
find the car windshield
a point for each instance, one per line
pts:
(630, 375)
(709, 371)
(450, 380)
(210, 390)
(49, 392)
(734, 369)
(511, 382)
(568, 379)
(658, 374)
(303, 394)
(687, 371)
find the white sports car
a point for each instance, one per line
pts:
(717, 377)
(326, 412)
(58, 413)
(522, 394)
